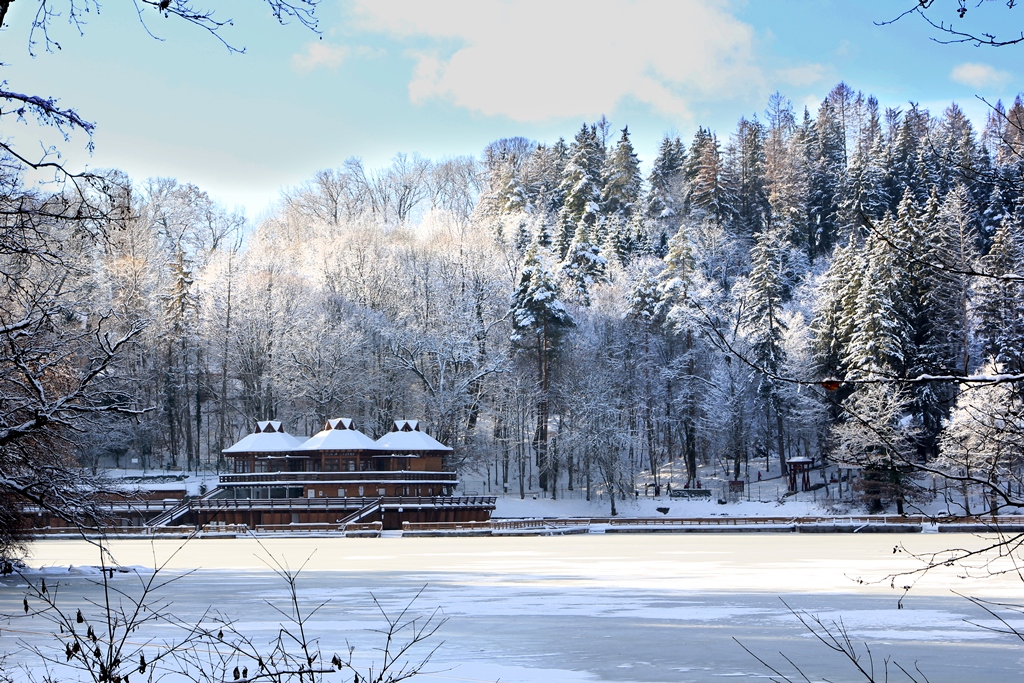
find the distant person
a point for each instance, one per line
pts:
(759, 475)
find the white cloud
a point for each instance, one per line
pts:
(533, 60)
(979, 75)
(320, 54)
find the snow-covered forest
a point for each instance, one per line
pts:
(792, 288)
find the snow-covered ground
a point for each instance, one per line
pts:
(165, 480)
(762, 498)
(588, 608)
(534, 505)
(772, 502)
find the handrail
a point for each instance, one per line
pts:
(367, 509)
(403, 475)
(170, 515)
(326, 503)
(723, 521)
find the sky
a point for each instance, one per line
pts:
(444, 78)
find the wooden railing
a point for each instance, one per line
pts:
(266, 478)
(118, 506)
(325, 503)
(737, 521)
(723, 521)
(445, 526)
(115, 530)
(301, 527)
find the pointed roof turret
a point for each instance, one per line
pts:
(339, 435)
(269, 437)
(406, 436)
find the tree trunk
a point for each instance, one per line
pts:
(780, 435)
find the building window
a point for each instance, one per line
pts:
(331, 465)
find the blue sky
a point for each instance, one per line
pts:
(444, 78)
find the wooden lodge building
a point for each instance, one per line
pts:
(338, 476)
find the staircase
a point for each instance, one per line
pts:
(177, 512)
(363, 512)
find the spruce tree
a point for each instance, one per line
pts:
(665, 181)
(539, 323)
(746, 177)
(940, 252)
(827, 167)
(999, 299)
(582, 266)
(766, 286)
(904, 172)
(707, 197)
(864, 201)
(879, 330)
(835, 318)
(622, 183)
(581, 188)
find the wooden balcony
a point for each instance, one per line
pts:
(338, 504)
(267, 478)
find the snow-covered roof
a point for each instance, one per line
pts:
(269, 437)
(339, 435)
(406, 436)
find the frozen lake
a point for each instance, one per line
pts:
(595, 607)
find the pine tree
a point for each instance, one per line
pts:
(939, 254)
(645, 303)
(625, 241)
(786, 171)
(835, 319)
(904, 173)
(827, 167)
(999, 299)
(880, 333)
(766, 287)
(746, 177)
(541, 174)
(582, 267)
(996, 211)
(665, 182)
(539, 323)
(952, 252)
(504, 162)
(680, 267)
(708, 197)
(864, 200)
(620, 195)
(581, 187)
(958, 159)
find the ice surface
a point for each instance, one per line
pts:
(582, 609)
